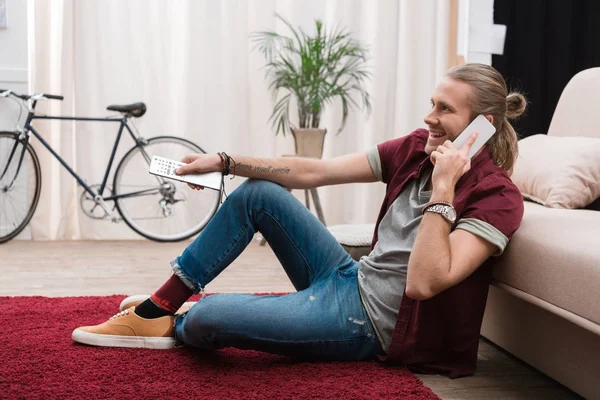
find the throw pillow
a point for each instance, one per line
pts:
(558, 172)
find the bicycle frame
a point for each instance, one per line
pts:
(129, 179)
(97, 196)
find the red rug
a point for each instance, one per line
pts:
(38, 360)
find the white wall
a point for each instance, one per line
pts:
(13, 60)
(478, 36)
(14, 67)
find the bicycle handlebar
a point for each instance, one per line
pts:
(27, 97)
(53, 96)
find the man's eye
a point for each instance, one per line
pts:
(444, 108)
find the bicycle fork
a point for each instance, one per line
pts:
(21, 139)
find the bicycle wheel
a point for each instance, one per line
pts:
(161, 209)
(18, 197)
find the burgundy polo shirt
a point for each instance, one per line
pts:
(441, 334)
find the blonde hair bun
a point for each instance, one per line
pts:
(515, 105)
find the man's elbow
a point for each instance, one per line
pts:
(419, 291)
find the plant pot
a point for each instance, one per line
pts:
(309, 141)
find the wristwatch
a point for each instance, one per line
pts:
(445, 210)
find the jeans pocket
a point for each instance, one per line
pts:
(368, 326)
(358, 316)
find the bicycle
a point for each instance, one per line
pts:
(154, 207)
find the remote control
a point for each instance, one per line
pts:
(166, 168)
(480, 125)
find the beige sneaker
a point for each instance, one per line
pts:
(133, 301)
(127, 329)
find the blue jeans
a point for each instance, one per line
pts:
(325, 319)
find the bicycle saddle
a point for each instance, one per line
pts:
(135, 110)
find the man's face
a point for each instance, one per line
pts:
(450, 113)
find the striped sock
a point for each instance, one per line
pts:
(166, 300)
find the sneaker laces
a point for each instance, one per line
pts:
(118, 315)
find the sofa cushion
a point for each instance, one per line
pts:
(559, 172)
(555, 256)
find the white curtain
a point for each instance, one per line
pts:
(191, 63)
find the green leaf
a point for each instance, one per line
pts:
(280, 116)
(316, 70)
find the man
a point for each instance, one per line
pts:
(418, 297)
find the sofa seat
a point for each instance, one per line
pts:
(554, 257)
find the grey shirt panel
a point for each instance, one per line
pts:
(382, 274)
(375, 162)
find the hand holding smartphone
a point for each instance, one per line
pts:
(481, 125)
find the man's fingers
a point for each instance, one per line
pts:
(469, 142)
(183, 170)
(448, 144)
(195, 187)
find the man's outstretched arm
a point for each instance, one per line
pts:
(291, 172)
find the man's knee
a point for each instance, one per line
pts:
(252, 188)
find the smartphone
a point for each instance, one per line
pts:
(481, 125)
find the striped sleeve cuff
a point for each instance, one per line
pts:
(484, 231)
(375, 162)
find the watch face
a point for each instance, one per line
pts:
(451, 214)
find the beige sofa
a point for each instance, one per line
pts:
(544, 301)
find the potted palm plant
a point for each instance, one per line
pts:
(314, 71)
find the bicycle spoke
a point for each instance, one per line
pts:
(175, 212)
(18, 195)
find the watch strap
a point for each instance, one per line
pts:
(444, 209)
(433, 203)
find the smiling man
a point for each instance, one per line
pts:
(417, 298)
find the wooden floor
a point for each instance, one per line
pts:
(133, 267)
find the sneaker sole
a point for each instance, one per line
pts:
(138, 298)
(95, 339)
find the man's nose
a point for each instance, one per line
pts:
(430, 118)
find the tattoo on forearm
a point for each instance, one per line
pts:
(243, 166)
(260, 168)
